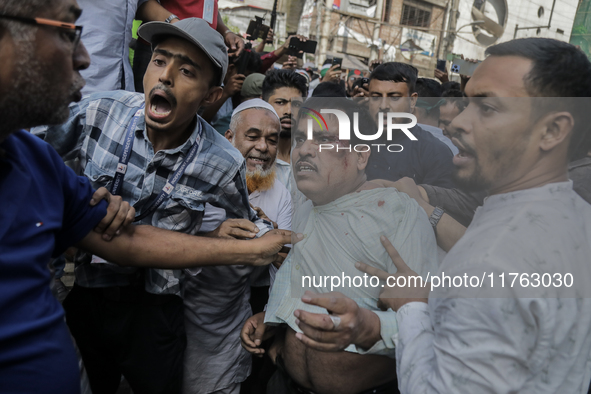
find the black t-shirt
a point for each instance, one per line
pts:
(427, 160)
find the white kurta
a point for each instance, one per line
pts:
(506, 343)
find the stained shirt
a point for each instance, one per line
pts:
(95, 133)
(507, 343)
(339, 234)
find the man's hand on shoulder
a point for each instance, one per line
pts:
(119, 214)
(345, 324)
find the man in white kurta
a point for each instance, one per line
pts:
(532, 334)
(533, 345)
(217, 299)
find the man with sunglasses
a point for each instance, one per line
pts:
(45, 207)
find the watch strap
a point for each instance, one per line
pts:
(435, 216)
(171, 17)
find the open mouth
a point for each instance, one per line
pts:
(160, 106)
(258, 160)
(305, 167)
(463, 155)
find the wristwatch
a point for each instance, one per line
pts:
(171, 17)
(435, 216)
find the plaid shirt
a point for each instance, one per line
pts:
(94, 134)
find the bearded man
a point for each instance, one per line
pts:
(217, 300)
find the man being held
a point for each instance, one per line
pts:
(217, 300)
(340, 224)
(141, 154)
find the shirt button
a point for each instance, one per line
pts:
(297, 267)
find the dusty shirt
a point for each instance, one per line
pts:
(507, 344)
(341, 233)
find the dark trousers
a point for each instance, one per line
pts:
(127, 331)
(282, 383)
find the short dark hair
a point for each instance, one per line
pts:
(429, 92)
(329, 89)
(249, 59)
(426, 87)
(217, 72)
(396, 72)
(456, 97)
(366, 123)
(23, 8)
(450, 85)
(561, 70)
(276, 79)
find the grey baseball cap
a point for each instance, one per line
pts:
(253, 85)
(194, 30)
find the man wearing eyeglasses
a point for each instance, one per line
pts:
(45, 207)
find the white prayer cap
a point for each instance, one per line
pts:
(255, 103)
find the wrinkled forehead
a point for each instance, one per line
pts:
(260, 119)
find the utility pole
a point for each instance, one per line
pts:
(451, 27)
(374, 49)
(325, 30)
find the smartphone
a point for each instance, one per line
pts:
(364, 81)
(338, 61)
(441, 64)
(463, 67)
(296, 46)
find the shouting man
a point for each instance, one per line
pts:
(167, 162)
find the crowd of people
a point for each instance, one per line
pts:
(210, 196)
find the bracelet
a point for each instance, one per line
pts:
(171, 17)
(227, 31)
(435, 216)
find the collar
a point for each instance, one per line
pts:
(141, 132)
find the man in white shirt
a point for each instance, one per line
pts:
(526, 336)
(217, 299)
(341, 223)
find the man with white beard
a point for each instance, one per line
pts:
(217, 300)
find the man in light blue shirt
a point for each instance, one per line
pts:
(106, 35)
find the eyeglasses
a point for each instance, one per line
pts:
(73, 31)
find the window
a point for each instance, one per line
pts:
(416, 13)
(388, 6)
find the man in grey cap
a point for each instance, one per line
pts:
(252, 87)
(167, 162)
